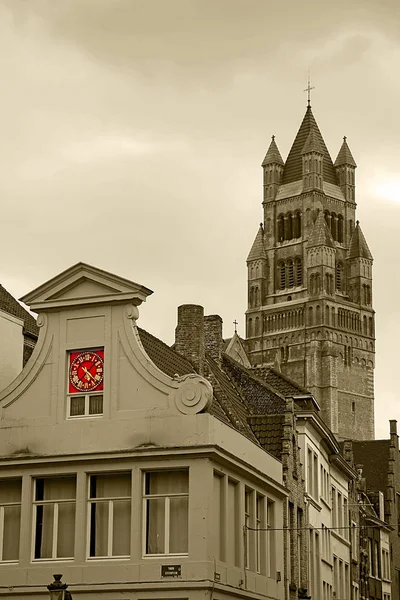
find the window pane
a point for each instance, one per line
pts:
(95, 405)
(44, 531)
(10, 490)
(77, 406)
(61, 488)
(12, 518)
(99, 529)
(110, 485)
(155, 537)
(66, 529)
(122, 528)
(178, 525)
(167, 482)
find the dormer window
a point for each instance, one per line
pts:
(85, 383)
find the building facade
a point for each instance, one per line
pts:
(125, 473)
(310, 281)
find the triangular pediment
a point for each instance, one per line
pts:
(84, 284)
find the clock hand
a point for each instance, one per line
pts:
(88, 373)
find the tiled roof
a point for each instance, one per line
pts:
(233, 403)
(11, 306)
(260, 395)
(226, 405)
(345, 157)
(333, 190)
(358, 245)
(258, 250)
(320, 234)
(166, 359)
(269, 431)
(293, 170)
(279, 382)
(373, 455)
(273, 155)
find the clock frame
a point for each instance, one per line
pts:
(86, 371)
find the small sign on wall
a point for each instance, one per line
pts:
(171, 570)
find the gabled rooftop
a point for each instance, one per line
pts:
(273, 155)
(320, 234)
(293, 170)
(358, 245)
(258, 249)
(344, 156)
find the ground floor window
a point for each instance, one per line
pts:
(10, 519)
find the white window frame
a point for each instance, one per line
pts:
(110, 517)
(167, 498)
(3, 506)
(55, 502)
(86, 414)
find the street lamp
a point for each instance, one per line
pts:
(58, 589)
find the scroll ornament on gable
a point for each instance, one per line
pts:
(194, 394)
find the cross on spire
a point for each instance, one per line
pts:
(235, 324)
(308, 90)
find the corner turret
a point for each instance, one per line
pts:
(345, 167)
(312, 162)
(272, 169)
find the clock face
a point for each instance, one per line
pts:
(86, 371)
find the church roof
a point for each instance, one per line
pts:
(293, 170)
(273, 155)
(258, 250)
(320, 234)
(345, 157)
(358, 245)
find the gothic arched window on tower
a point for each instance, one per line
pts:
(281, 228)
(290, 269)
(250, 328)
(340, 229)
(289, 226)
(298, 271)
(334, 226)
(297, 225)
(339, 277)
(282, 275)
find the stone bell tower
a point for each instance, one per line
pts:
(310, 281)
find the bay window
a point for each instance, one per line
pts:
(54, 517)
(166, 503)
(109, 515)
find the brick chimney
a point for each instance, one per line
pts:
(189, 335)
(213, 336)
(394, 438)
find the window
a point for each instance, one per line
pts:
(10, 518)
(339, 277)
(312, 473)
(166, 503)
(109, 515)
(260, 525)
(248, 523)
(85, 383)
(54, 518)
(290, 273)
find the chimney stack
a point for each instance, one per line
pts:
(189, 335)
(213, 336)
(394, 438)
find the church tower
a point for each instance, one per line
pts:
(310, 281)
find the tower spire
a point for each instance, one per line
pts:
(308, 90)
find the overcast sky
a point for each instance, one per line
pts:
(132, 133)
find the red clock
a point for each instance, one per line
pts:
(86, 371)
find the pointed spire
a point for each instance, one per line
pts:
(273, 155)
(258, 250)
(344, 156)
(293, 170)
(320, 234)
(358, 245)
(313, 143)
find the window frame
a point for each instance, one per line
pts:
(55, 502)
(3, 506)
(167, 514)
(86, 414)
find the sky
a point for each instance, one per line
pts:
(132, 134)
